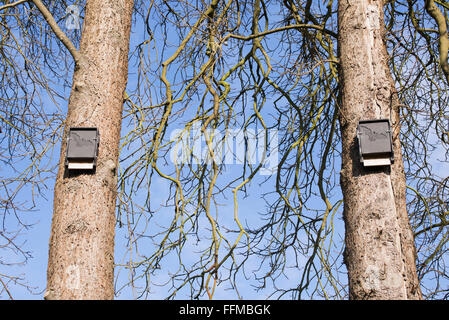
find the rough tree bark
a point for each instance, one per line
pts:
(380, 252)
(81, 251)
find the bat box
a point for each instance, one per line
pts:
(375, 142)
(82, 148)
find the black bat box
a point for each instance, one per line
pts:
(82, 148)
(375, 142)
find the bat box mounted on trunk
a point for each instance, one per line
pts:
(82, 148)
(375, 142)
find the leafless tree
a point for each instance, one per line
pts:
(204, 69)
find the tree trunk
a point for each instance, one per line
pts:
(380, 252)
(81, 255)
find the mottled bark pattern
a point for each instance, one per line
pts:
(81, 252)
(380, 252)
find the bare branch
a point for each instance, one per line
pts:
(443, 40)
(10, 5)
